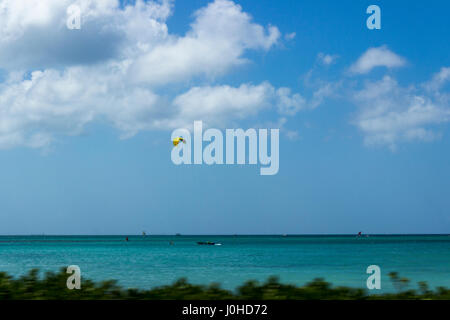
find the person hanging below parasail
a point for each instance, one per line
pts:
(177, 140)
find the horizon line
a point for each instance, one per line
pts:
(231, 234)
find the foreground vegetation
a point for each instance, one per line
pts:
(53, 286)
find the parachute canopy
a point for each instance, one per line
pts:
(177, 140)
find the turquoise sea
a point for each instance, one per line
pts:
(150, 261)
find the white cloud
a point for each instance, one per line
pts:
(53, 102)
(218, 104)
(326, 90)
(33, 34)
(122, 67)
(119, 66)
(327, 59)
(377, 57)
(389, 114)
(219, 36)
(288, 103)
(438, 80)
(215, 104)
(290, 36)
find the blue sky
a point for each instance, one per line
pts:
(86, 116)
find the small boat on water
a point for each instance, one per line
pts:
(360, 235)
(208, 243)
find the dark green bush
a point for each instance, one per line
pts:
(53, 286)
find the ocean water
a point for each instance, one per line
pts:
(145, 262)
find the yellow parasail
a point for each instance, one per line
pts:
(177, 140)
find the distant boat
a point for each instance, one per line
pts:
(208, 243)
(360, 234)
(177, 234)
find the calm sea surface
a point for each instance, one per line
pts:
(149, 261)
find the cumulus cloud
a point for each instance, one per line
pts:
(377, 57)
(219, 103)
(216, 104)
(33, 33)
(53, 102)
(389, 113)
(125, 68)
(118, 68)
(216, 42)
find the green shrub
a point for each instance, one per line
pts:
(53, 287)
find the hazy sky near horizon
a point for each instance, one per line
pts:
(86, 116)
